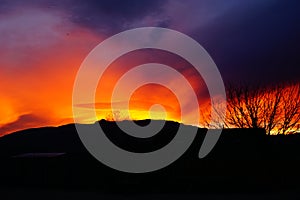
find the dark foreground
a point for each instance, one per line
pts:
(52, 163)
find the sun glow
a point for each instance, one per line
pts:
(144, 104)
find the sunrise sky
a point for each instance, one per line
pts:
(43, 43)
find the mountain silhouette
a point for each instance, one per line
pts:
(243, 159)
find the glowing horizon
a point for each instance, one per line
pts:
(43, 46)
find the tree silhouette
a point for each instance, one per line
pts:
(113, 116)
(289, 117)
(276, 108)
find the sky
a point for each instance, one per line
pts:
(43, 43)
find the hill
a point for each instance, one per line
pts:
(243, 159)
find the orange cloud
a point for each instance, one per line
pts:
(38, 65)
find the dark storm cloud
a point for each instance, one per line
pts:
(113, 15)
(259, 43)
(102, 16)
(248, 40)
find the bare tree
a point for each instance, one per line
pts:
(289, 117)
(276, 109)
(219, 119)
(272, 98)
(113, 116)
(244, 106)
